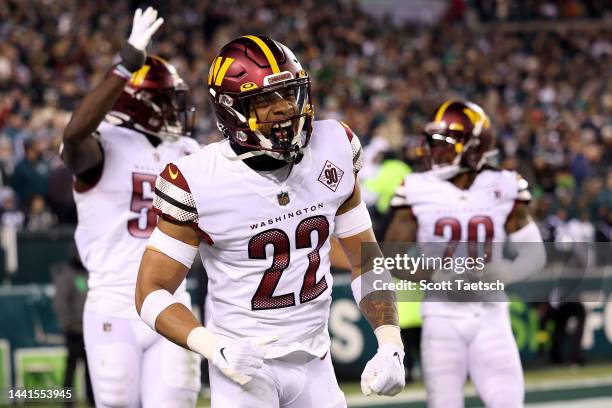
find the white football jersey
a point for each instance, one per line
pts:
(266, 235)
(447, 214)
(115, 217)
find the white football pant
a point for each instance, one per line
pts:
(132, 366)
(298, 380)
(481, 346)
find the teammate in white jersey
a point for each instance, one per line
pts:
(261, 207)
(461, 199)
(118, 140)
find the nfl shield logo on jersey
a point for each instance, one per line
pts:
(331, 175)
(283, 198)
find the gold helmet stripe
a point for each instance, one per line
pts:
(139, 76)
(267, 52)
(443, 109)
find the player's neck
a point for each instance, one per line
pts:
(259, 163)
(463, 181)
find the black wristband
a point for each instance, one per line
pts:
(131, 58)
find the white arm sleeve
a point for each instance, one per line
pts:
(155, 303)
(172, 247)
(352, 222)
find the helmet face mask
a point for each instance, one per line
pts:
(276, 116)
(170, 109)
(262, 103)
(442, 146)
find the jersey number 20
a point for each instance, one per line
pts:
(264, 296)
(472, 236)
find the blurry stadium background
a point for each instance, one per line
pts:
(541, 69)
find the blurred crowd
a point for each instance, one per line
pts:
(520, 10)
(548, 92)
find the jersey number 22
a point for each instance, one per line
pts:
(264, 296)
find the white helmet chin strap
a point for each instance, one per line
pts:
(163, 136)
(246, 155)
(487, 157)
(446, 172)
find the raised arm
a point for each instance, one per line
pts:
(82, 153)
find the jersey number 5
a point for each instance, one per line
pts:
(142, 200)
(264, 296)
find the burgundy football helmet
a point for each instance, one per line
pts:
(154, 101)
(261, 98)
(458, 138)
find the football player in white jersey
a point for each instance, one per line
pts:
(119, 138)
(462, 199)
(261, 207)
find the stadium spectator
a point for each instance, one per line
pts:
(39, 216)
(10, 216)
(31, 173)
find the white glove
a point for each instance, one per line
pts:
(384, 373)
(144, 26)
(240, 359)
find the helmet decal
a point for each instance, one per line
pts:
(218, 70)
(276, 78)
(247, 86)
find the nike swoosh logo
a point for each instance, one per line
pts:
(223, 354)
(173, 175)
(396, 354)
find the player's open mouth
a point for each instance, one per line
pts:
(281, 130)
